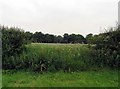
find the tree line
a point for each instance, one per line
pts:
(49, 38)
(39, 37)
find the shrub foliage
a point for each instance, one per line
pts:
(13, 40)
(108, 48)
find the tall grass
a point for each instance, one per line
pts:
(52, 57)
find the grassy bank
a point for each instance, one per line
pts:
(102, 78)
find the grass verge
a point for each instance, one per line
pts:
(102, 78)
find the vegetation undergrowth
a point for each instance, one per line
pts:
(102, 50)
(52, 57)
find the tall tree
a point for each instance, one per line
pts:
(89, 38)
(65, 38)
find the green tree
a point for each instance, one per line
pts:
(38, 37)
(65, 38)
(28, 37)
(89, 38)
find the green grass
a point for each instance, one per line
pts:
(0, 78)
(102, 78)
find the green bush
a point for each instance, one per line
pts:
(13, 43)
(108, 49)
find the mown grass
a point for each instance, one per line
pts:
(102, 78)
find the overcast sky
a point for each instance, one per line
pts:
(59, 16)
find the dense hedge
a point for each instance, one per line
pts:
(13, 40)
(108, 48)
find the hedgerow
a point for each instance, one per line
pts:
(107, 48)
(103, 51)
(13, 43)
